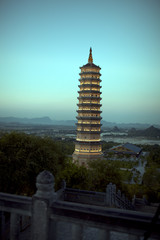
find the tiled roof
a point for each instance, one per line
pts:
(128, 146)
(132, 147)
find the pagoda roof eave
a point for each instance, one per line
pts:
(89, 98)
(97, 73)
(89, 132)
(90, 78)
(89, 142)
(88, 118)
(89, 111)
(89, 91)
(89, 85)
(89, 105)
(89, 124)
(90, 65)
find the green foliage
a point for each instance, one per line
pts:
(102, 174)
(151, 183)
(135, 189)
(126, 175)
(22, 157)
(122, 163)
(75, 177)
(108, 145)
(67, 147)
(137, 176)
(94, 178)
(154, 155)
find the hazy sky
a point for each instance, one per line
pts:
(43, 44)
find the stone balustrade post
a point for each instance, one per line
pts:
(41, 202)
(127, 203)
(2, 225)
(123, 200)
(109, 195)
(14, 226)
(133, 200)
(63, 184)
(119, 198)
(113, 195)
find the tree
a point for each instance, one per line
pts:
(103, 173)
(75, 176)
(22, 157)
(151, 183)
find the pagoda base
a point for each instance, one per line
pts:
(82, 159)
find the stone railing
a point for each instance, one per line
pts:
(54, 218)
(17, 206)
(111, 198)
(114, 198)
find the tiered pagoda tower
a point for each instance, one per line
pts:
(88, 143)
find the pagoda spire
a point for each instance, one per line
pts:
(90, 59)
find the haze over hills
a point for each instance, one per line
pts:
(41, 121)
(149, 132)
(48, 121)
(14, 120)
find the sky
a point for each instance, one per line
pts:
(44, 42)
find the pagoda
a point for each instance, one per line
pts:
(88, 142)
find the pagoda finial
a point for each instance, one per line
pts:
(90, 59)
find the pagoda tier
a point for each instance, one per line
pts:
(89, 71)
(89, 105)
(89, 86)
(89, 112)
(97, 80)
(89, 98)
(92, 92)
(88, 143)
(88, 125)
(88, 118)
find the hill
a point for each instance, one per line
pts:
(149, 132)
(49, 121)
(14, 120)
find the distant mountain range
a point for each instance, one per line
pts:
(49, 121)
(40, 121)
(15, 120)
(149, 132)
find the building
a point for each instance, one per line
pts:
(126, 148)
(88, 143)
